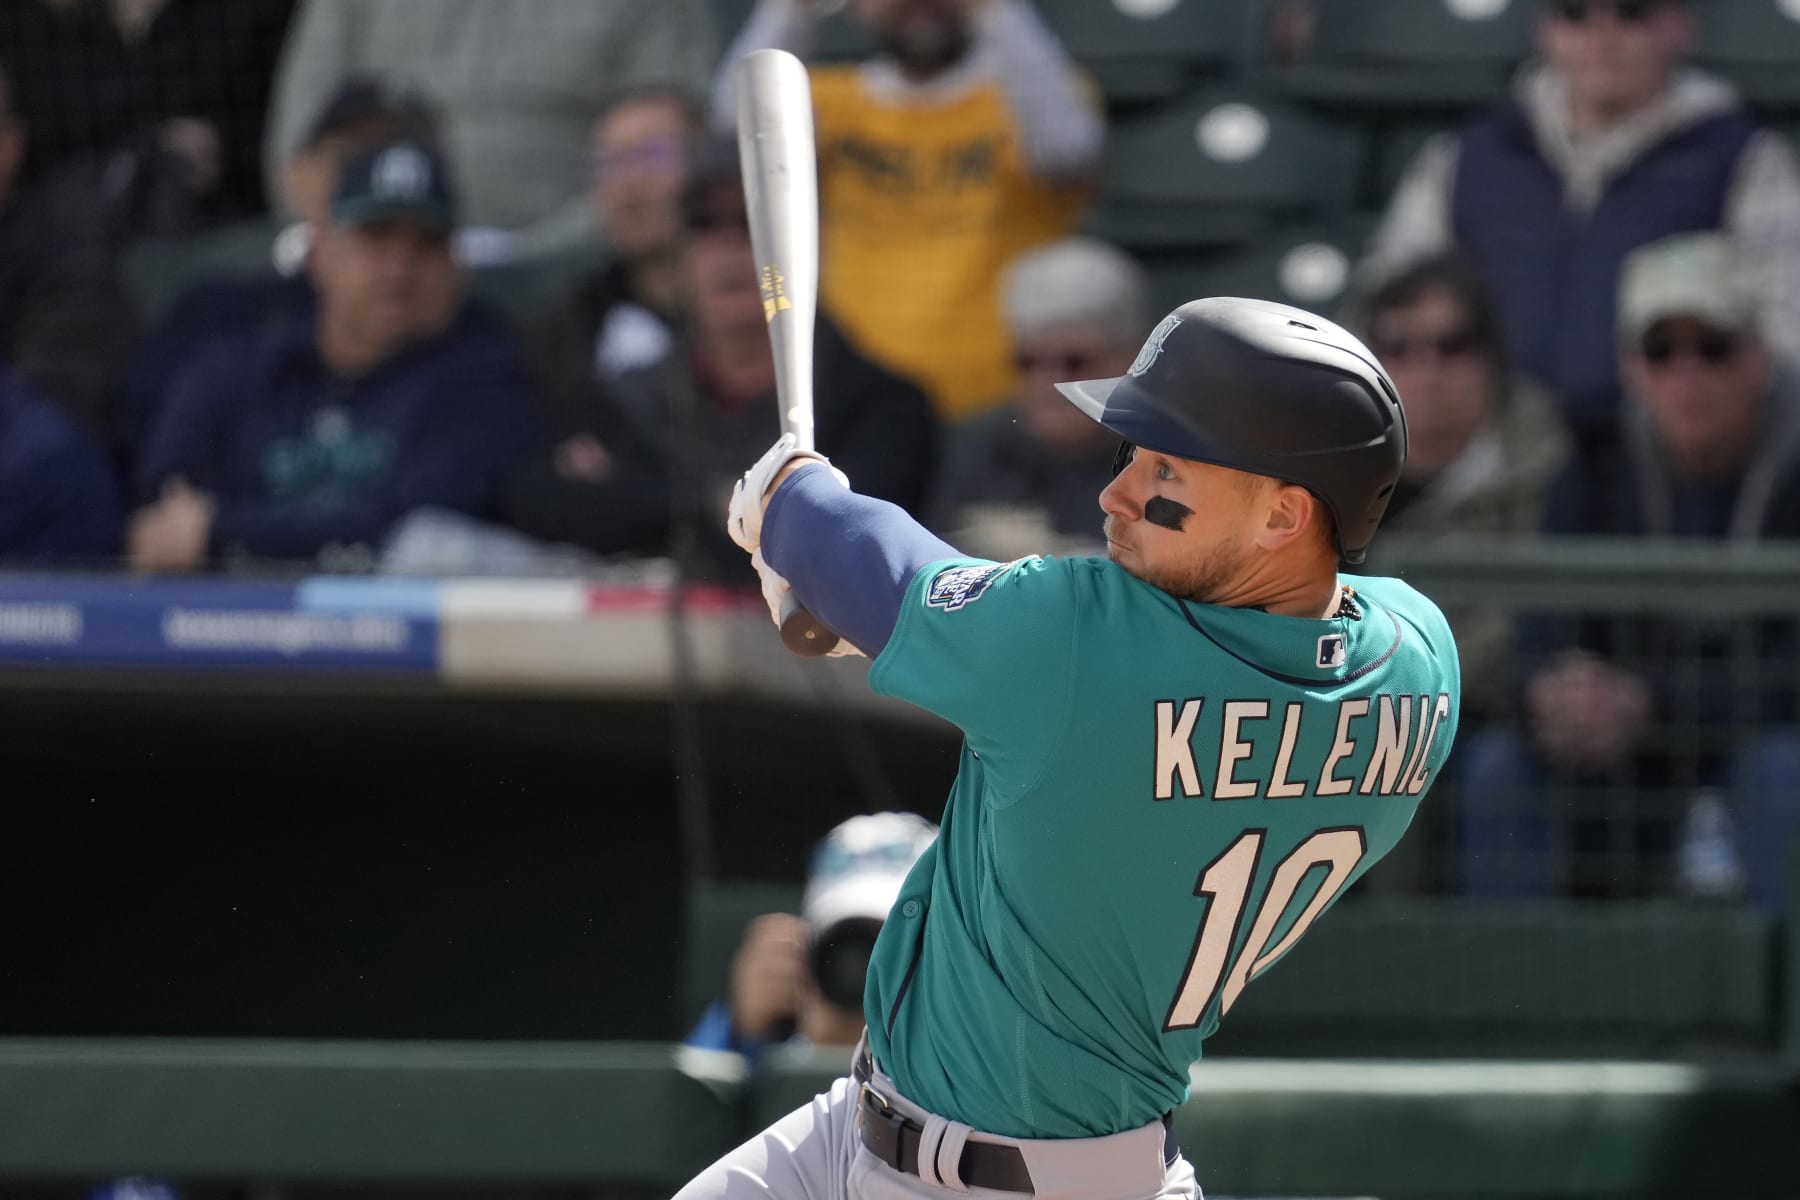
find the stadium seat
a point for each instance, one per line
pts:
(1217, 168)
(158, 269)
(1141, 51)
(1788, 125)
(1393, 146)
(1385, 54)
(1137, 51)
(523, 289)
(1755, 44)
(729, 17)
(840, 39)
(1308, 266)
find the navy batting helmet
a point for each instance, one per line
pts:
(1268, 389)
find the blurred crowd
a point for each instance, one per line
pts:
(467, 287)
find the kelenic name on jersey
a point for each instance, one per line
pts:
(1401, 727)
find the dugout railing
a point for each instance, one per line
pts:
(1709, 633)
(634, 1120)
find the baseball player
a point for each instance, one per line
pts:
(1176, 758)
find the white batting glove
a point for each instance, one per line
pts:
(775, 589)
(744, 516)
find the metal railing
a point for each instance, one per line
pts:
(1629, 717)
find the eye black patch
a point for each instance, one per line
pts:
(1170, 514)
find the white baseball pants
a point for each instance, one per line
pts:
(815, 1153)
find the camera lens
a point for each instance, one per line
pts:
(840, 960)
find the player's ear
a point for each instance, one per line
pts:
(1290, 512)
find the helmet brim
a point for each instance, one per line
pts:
(1121, 408)
(1090, 395)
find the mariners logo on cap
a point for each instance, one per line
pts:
(1154, 343)
(402, 173)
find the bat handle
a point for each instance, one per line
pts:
(802, 632)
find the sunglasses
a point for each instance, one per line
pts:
(1577, 12)
(1713, 347)
(1451, 343)
(651, 155)
(1075, 364)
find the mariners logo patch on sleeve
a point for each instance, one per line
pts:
(957, 586)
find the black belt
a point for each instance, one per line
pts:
(894, 1139)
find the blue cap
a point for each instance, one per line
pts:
(398, 180)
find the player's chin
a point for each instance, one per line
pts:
(1132, 561)
(1129, 560)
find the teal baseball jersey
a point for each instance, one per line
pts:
(1156, 800)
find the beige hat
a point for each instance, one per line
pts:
(1698, 275)
(1077, 281)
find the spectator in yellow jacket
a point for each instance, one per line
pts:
(966, 140)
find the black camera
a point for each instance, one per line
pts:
(840, 960)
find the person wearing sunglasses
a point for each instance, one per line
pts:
(1630, 721)
(1022, 478)
(1548, 190)
(618, 315)
(1710, 406)
(1484, 444)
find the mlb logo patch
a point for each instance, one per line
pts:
(1331, 650)
(958, 586)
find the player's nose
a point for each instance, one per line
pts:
(1116, 499)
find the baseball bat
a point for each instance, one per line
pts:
(781, 193)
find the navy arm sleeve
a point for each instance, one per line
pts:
(848, 557)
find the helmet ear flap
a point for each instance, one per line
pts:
(1122, 457)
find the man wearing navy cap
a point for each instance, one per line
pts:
(317, 434)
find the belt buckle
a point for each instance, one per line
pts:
(883, 1109)
(873, 1102)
